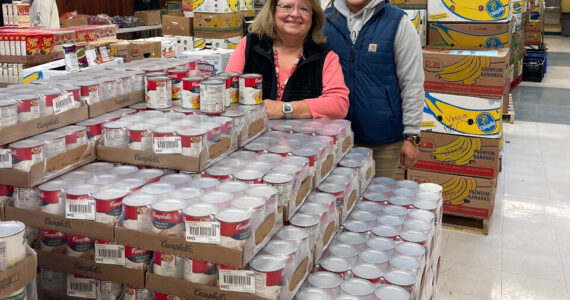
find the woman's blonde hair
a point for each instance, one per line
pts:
(264, 23)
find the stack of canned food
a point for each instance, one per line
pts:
(383, 247)
(13, 251)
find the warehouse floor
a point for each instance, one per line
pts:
(527, 252)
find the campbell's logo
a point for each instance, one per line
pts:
(258, 80)
(115, 204)
(495, 9)
(80, 240)
(242, 226)
(486, 122)
(52, 235)
(138, 251)
(163, 215)
(432, 64)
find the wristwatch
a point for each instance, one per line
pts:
(412, 138)
(288, 110)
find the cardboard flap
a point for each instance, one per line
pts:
(60, 223)
(115, 103)
(263, 231)
(327, 165)
(299, 274)
(329, 231)
(255, 128)
(304, 190)
(74, 265)
(20, 275)
(346, 144)
(351, 200)
(129, 156)
(219, 148)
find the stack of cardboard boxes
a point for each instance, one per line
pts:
(417, 13)
(16, 14)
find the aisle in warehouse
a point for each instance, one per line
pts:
(527, 252)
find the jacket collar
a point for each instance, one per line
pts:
(339, 20)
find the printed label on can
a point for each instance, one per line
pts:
(250, 90)
(167, 145)
(3, 256)
(138, 218)
(167, 223)
(82, 287)
(198, 271)
(82, 209)
(5, 159)
(137, 257)
(192, 146)
(203, 232)
(110, 254)
(237, 281)
(108, 211)
(8, 115)
(62, 103)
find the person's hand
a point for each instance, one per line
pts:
(408, 155)
(274, 109)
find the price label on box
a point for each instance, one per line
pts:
(167, 145)
(237, 281)
(110, 254)
(203, 232)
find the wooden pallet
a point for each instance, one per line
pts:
(509, 117)
(466, 224)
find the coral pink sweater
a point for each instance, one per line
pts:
(332, 104)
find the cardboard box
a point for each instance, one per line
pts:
(115, 103)
(534, 25)
(149, 17)
(462, 115)
(38, 219)
(469, 11)
(460, 155)
(519, 6)
(212, 22)
(73, 265)
(31, 59)
(51, 168)
(66, 23)
(187, 4)
(400, 174)
(19, 275)
(298, 198)
(418, 17)
(410, 4)
(177, 25)
(462, 195)
(208, 62)
(468, 72)
(246, 6)
(216, 6)
(533, 37)
(469, 35)
(27, 129)
(208, 252)
(326, 239)
(136, 50)
(225, 43)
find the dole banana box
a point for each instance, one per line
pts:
(410, 4)
(462, 195)
(469, 35)
(462, 115)
(418, 19)
(217, 23)
(216, 6)
(467, 72)
(458, 154)
(469, 10)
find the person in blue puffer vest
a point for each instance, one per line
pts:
(381, 57)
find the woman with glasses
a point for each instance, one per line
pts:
(302, 77)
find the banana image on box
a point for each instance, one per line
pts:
(456, 190)
(216, 6)
(463, 115)
(461, 35)
(469, 10)
(418, 19)
(459, 152)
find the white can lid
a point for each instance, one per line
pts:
(325, 280)
(186, 193)
(413, 236)
(383, 180)
(380, 243)
(351, 238)
(280, 247)
(204, 183)
(175, 179)
(411, 249)
(262, 190)
(313, 208)
(200, 210)
(428, 196)
(404, 192)
(356, 226)
(312, 293)
(370, 206)
(261, 166)
(292, 233)
(233, 215)
(401, 277)
(130, 183)
(357, 287)
(368, 271)
(27, 143)
(395, 210)
(288, 169)
(344, 250)
(405, 262)
(384, 231)
(377, 188)
(123, 170)
(417, 225)
(278, 178)
(110, 194)
(373, 256)
(391, 292)
(427, 205)
(54, 185)
(330, 188)
(362, 215)
(216, 197)
(391, 221)
(157, 188)
(408, 184)
(421, 214)
(304, 220)
(270, 158)
(103, 179)
(98, 167)
(247, 175)
(168, 205)
(10, 228)
(83, 189)
(248, 202)
(400, 200)
(323, 198)
(267, 263)
(335, 264)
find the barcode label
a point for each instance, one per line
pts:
(80, 209)
(110, 254)
(203, 232)
(62, 103)
(237, 281)
(5, 159)
(167, 145)
(82, 287)
(3, 256)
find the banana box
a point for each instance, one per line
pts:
(227, 43)
(534, 25)
(533, 37)
(469, 10)
(246, 5)
(469, 35)
(199, 43)
(519, 6)
(418, 19)
(410, 4)
(462, 195)
(462, 115)
(216, 6)
(469, 72)
(458, 154)
(210, 23)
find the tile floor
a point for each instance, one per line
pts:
(526, 255)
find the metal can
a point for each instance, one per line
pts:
(150, 175)
(266, 192)
(357, 287)
(206, 184)
(334, 189)
(200, 212)
(177, 75)
(130, 185)
(370, 272)
(124, 171)
(52, 194)
(90, 92)
(220, 173)
(132, 293)
(167, 217)
(159, 92)
(335, 265)
(47, 96)
(324, 199)
(139, 137)
(12, 244)
(97, 168)
(310, 293)
(5, 193)
(212, 94)
(386, 291)
(221, 200)
(28, 109)
(269, 274)
(250, 89)
(136, 258)
(283, 183)
(235, 227)
(249, 176)
(403, 278)
(236, 188)
(80, 246)
(75, 136)
(94, 128)
(193, 141)
(191, 92)
(227, 81)
(255, 205)
(309, 223)
(356, 226)
(188, 194)
(234, 85)
(136, 209)
(319, 210)
(177, 180)
(26, 153)
(108, 205)
(139, 106)
(168, 265)
(115, 134)
(327, 281)
(199, 271)
(103, 181)
(284, 248)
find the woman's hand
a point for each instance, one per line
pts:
(274, 109)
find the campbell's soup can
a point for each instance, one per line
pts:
(13, 240)
(235, 227)
(94, 128)
(200, 212)
(53, 241)
(8, 113)
(150, 175)
(177, 75)
(130, 185)
(90, 92)
(80, 246)
(28, 107)
(249, 176)
(133, 293)
(199, 271)
(136, 258)
(227, 81)
(310, 223)
(108, 205)
(212, 95)
(159, 296)
(284, 185)
(159, 92)
(139, 137)
(75, 136)
(26, 153)
(234, 85)
(52, 194)
(337, 265)
(136, 209)
(269, 274)
(168, 265)
(193, 141)
(250, 89)
(167, 217)
(191, 92)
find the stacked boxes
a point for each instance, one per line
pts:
(417, 14)
(16, 14)
(219, 22)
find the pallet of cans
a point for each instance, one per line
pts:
(386, 247)
(18, 263)
(168, 139)
(250, 121)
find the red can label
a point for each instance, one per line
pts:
(73, 137)
(253, 82)
(28, 105)
(162, 220)
(238, 231)
(137, 135)
(133, 212)
(109, 207)
(79, 243)
(53, 238)
(137, 255)
(94, 130)
(35, 154)
(5, 190)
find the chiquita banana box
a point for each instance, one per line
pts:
(418, 18)
(216, 6)
(458, 154)
(410, 4)
(469, 10)
(462, 115)
(519, 7)
(467, 72)
(462, 195)
(246, 5)
(469, 35)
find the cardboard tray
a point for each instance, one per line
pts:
(115, 103)
(252, 131)
(31, 59)
(43, 220)
(209, 252)
(302, 194)
(85, 267)
(20, 275)
(214, 153)
(46, 170)
(36, 126)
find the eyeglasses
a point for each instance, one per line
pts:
(288, 8)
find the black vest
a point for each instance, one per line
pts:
(306, 81)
